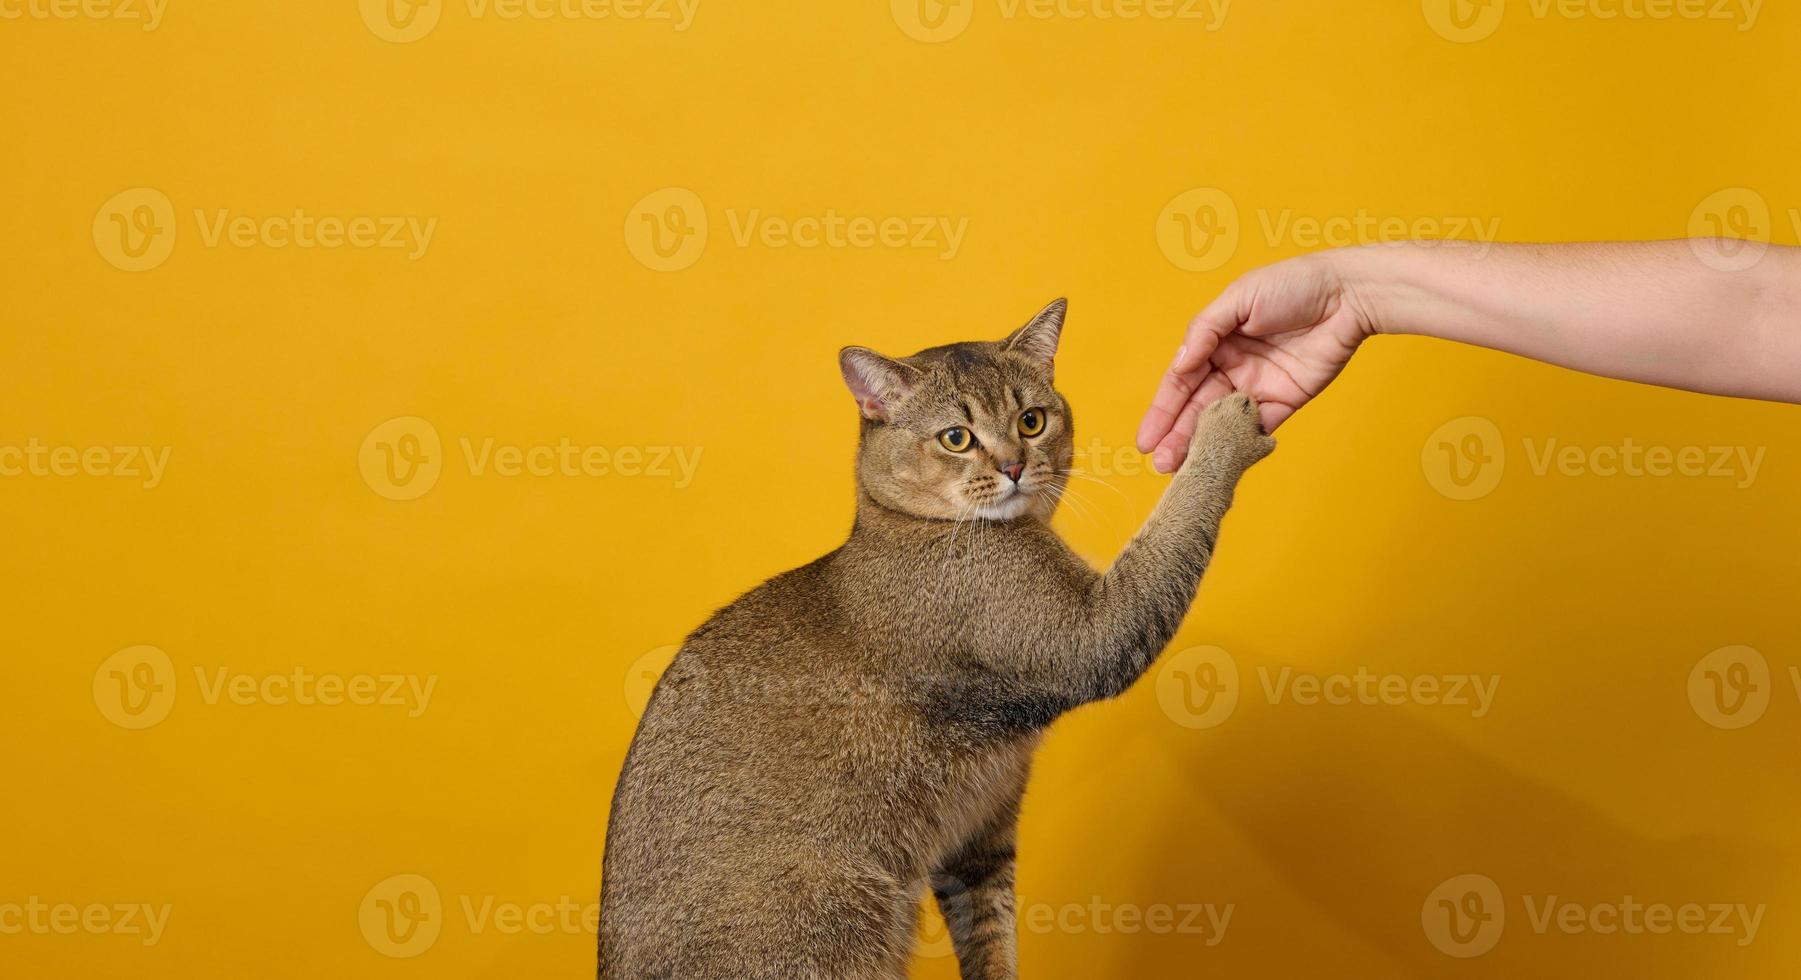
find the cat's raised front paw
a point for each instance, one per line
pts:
(1231, 425)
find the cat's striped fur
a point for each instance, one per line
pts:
(855, 732)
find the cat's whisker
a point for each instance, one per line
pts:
(1084, 475)
(1060, 499)
(963, 517)
(1097, 506)
(1077, 505)
(1089, 501)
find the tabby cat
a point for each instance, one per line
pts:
(856, 730)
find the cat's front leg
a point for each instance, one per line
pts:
(1134, 610)
(1228, 440)
(974, 890)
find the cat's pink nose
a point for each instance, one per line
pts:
(1013, 470)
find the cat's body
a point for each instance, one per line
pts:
(858, 730)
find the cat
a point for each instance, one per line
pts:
(861, 728)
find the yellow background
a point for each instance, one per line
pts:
(537, 604)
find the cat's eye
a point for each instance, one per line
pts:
(1031, 421)
(956, 439)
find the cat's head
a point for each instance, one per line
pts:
(970, 430)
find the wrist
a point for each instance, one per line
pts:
(1366, 277)
(1391, 285)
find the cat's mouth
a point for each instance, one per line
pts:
(1005, 503)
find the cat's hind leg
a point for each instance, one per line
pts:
(974, 890)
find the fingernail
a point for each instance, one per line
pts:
(1180, 352)
(1161, 460)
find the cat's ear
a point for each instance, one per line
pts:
(1038, 340)
(877, 382)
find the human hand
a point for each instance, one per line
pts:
(1279, 334)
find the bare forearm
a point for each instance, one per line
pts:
(1641, 311)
